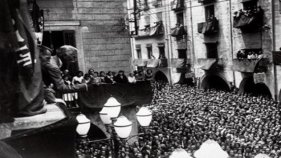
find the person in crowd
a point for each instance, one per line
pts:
(140, 76)
(121, 77)
(79, 78)
(131, 78)
(109, 78)
(91, 72)
(102, 76)
(95, 78)
(52, 74)
(87, 78)
(148, 75)
(50, 96)
(65, 72)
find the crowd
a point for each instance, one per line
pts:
(185, 117)
(95, 77)
(111, 77)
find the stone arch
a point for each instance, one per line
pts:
(247, 85)
(161, 76)
(215, 81)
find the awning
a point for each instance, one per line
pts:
(244, 65)
(205, 64)
(139, 62)
(127, 94)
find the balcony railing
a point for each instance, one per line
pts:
(180, 62)
(209, 27)
(157, 30)
(254, 65)
(179, 31)
(151, 63)
(211, 63)
(250, 54)
(205, 1)
(248, 20)
(177, 5)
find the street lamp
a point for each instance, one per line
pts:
(83, 126)
(144, 116)
(112, 107)
(121, 125)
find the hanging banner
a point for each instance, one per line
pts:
(259, 77)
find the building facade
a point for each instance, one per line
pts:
(222, 43)
(95, 27)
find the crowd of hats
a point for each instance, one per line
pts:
(185, 117)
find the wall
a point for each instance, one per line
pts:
(103, 43)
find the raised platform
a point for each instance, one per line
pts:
(53, 114)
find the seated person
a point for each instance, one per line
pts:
(121, 77)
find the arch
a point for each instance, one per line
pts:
(160, 76)
(215, 81)
(247, 85)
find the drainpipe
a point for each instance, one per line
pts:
(231, 40)
(274, 49)
(192, 42)
(168, 39)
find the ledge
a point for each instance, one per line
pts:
(53, 114)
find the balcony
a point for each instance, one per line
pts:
(154, 31)
(182, 65)
(205, 1)
(181, 44)
(151, 63)
(179, 31)
(250, 66)
(209, 27)
(177, 5)
(210, 63)
(248, 20)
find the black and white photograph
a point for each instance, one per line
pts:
(140, 79)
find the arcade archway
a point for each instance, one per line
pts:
(214, 82)
(249, 87)
(160, 77)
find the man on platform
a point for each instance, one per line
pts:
(52, 74)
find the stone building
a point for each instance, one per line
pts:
(95, 27)
(224, 43)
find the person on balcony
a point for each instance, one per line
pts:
(51, 74)
(121, 77)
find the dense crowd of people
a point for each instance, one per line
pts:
(185, 117)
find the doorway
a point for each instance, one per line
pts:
(56, 39)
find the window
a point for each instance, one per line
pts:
(249, 4)
(138, 50)
(209, 12)
(157, 3)
(182, 53)
(180, 19)
(161, 47)
(145, 5)
(149, 51)
(212, 51)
